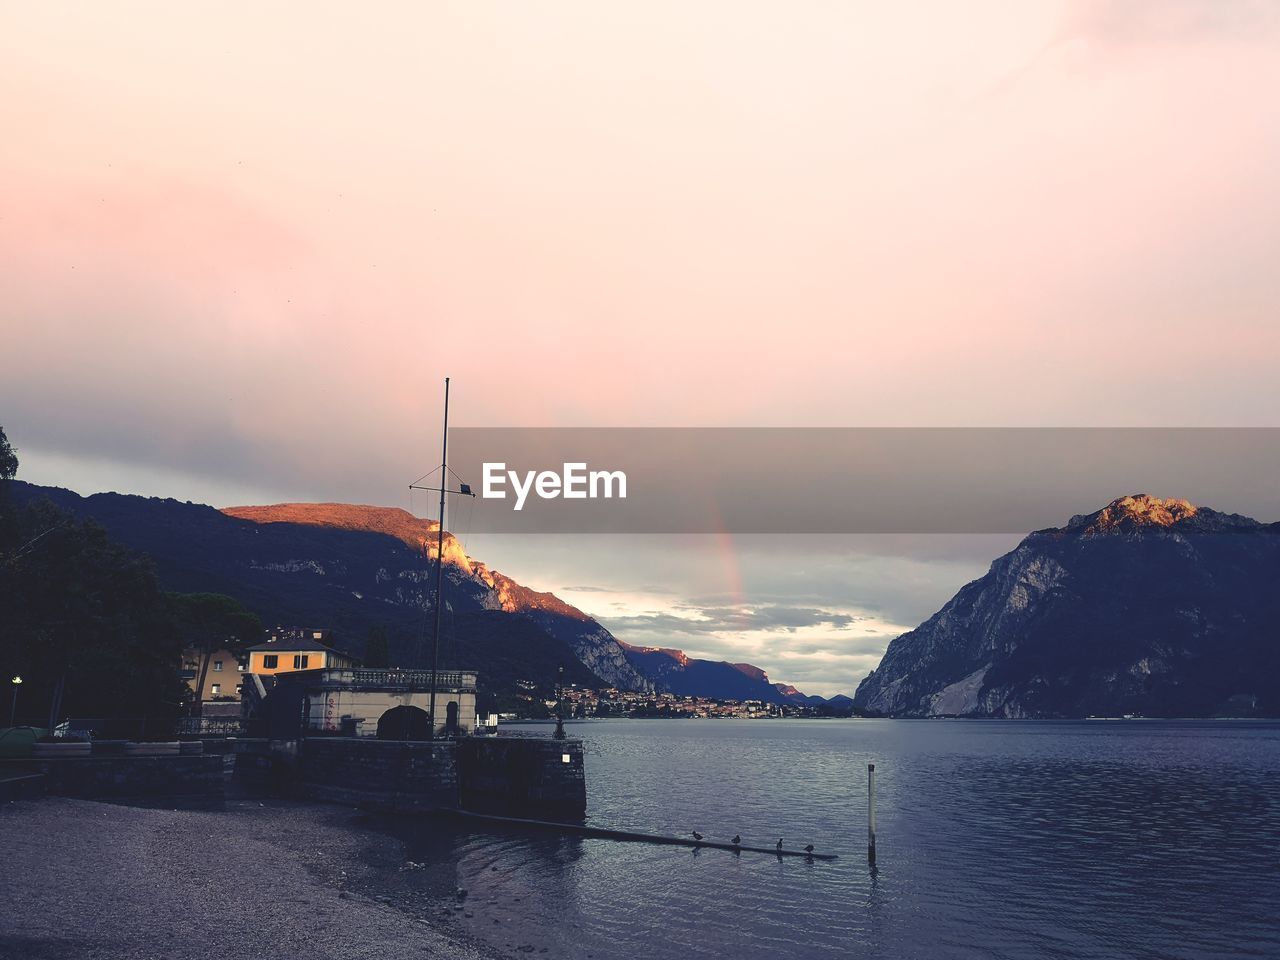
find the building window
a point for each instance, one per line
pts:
(217, 666)
(215, 689)
(269, 661)
(300, 661)
(316, 635)
(240, 667)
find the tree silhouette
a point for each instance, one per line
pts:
(209, 622)
(377, 650)
(8, 458)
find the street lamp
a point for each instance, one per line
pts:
(13, 709)
(559, 734)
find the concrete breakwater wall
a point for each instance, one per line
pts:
(193, 779)
(512, 776)
(517, 776)
(534, 777)
(405, 777)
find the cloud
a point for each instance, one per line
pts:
(818, 608)
(691, 619)
(204, 301)
(191, 285)
(830, 650)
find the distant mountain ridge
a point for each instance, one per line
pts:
(790, 694)
(351, 566)
(1148, 606)
(421, 536)
(591, 643)
(674, 671)
(687, 677)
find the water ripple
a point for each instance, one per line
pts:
(1006, 840)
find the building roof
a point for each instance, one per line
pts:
(296, 645)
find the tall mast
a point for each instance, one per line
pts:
(435, 642)
(463, 490)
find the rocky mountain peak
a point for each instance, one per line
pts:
(679, 656)
(752, 671)
(1149, 605)
(1133, 512)
(421, 536)
(1143, 513)
(417, 534)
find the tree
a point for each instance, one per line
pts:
(84, 618)
(377, 651)
(8, 470)
(8, 458)
(209, 622)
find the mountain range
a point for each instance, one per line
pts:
(1148, 607)
(676, 672)
(351, 567)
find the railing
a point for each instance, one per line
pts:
(210, 726)
(419, 679)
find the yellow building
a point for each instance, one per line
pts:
(286, 653)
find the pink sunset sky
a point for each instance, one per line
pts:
(242, 244)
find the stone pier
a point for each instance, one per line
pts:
(526, 777)
(515, 776)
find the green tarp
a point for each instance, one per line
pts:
(18, 741)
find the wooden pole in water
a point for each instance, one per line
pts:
(871, 814)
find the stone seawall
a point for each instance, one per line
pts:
(516, 776)
(188, 780)
(401, 776)
(263, 766)
(529, 777)
(523, 777)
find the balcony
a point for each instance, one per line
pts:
(391, 679)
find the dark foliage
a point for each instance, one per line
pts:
(377, 649)
(85, 622)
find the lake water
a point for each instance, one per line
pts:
(996, 839)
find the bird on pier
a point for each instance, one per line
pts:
(736, 841)
(779, 844)
(809, 848)
(697, 835)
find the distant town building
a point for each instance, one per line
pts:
(295, 649)
(221, 681)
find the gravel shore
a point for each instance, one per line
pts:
(80, 879)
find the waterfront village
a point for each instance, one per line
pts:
(611, 702)
(229, 687)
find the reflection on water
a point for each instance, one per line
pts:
(996, 839)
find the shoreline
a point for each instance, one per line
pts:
(106, 881)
